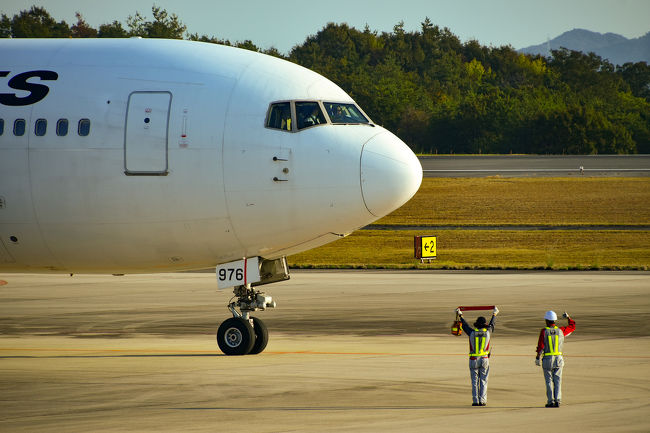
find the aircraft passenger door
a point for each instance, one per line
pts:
(146, 134)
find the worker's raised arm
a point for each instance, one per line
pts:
(466, 326)
(571, 326)
(493, 319)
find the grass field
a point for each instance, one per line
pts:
(508, 203)
(522, 201)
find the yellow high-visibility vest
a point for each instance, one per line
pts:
(480, 341)
(552, 345)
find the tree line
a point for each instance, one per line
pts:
(438, 94)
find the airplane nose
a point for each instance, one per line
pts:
(390, 173)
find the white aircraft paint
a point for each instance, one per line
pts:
(193, 186)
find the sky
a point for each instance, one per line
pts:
(283, 24)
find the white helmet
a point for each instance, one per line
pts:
(550, 315)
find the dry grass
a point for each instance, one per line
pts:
(487, 249)
(503, 202)
(520, 201)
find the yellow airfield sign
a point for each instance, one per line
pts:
(425, 247)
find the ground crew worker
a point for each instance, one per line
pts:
(549, 347)
(479, 354)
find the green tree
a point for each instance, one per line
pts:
(587, 74)
(272, 51)
(208, 39)
(112, 30)
(38, 23)
(5, 26)
(637, 76)
(82, 29)
(163, 25)
(247, 45)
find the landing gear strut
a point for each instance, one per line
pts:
(243, 334)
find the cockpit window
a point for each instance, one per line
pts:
(344, 113)
(279, 116)
(309, 114)
(293, 116)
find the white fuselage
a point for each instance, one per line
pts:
(178, 169)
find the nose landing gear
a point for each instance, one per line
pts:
(243, 334)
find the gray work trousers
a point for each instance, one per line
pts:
(479, 369)
(552, 367)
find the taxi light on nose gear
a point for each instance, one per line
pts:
(457, 327)
(260, 301)
(264, 301)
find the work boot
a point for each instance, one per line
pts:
(475, 404)
(550, 405)
(556, 404)
(482, 404)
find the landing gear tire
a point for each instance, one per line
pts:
(261, 336)
(236, 336)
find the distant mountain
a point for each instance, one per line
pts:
(615, 48)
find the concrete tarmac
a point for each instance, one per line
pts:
(351, 351)
(535, 165)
